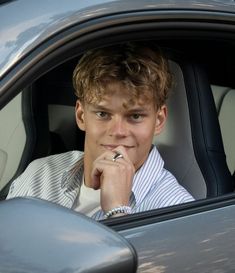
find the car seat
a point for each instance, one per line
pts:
(225, 104)
(191, 143)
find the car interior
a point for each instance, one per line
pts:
(225, 100)
(197, 143)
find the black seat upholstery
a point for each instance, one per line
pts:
(55, 122)
(207, 139)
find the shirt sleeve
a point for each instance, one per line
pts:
(166, 192)
(21, 185)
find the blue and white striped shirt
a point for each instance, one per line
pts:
(58, 178)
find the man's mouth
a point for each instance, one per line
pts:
(114, 146)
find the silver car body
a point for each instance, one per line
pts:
(199, 237)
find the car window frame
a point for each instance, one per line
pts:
(74, 41)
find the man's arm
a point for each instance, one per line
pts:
(114, 178)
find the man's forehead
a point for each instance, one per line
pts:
(126, 102)
(112, 90)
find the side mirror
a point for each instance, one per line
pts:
(38, 236)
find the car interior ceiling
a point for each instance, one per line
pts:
(51, 123)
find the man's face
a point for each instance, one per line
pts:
(113, 122)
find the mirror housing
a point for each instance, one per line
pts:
(39, 236)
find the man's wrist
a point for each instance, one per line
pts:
(122, 210)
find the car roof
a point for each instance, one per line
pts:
(20, 32)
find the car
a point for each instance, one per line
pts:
(40, 45)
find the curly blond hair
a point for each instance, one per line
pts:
(139, 68)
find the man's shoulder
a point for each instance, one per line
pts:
(37, 179)
(62, 161)
(171, 188)
(70, 155)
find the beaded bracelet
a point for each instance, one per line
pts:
(116, 210)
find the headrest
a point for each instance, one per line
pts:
(226, 118)
(175, 142)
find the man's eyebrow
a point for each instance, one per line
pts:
(139, 109)
(99, 107)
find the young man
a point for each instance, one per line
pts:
(121, 94)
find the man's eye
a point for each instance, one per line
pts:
(136, 117)
(101, 114)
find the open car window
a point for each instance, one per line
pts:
(45, 114)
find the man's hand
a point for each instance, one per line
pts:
(114, 178)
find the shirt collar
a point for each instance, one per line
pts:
(72, 177)
(148, 174)
(143, 179)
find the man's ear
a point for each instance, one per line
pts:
(161, 116)
(79, 114)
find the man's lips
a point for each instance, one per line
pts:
(114, 146)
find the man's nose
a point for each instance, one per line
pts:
(118, 127)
